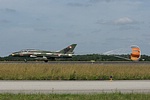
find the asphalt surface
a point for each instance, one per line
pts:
(63, 87)
(80, 62)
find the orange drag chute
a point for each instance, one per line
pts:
(136, 53)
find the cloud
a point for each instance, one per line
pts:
(42, 29)
(129, 27)
(101, 21)
(119, 21)
(8, 10)
(86, 4)
(124, 21)
(78, 5)
(96, 1)
(4, 21)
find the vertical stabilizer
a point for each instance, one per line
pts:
(68, 49)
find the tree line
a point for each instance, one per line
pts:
(87, 57)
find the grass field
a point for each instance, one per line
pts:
(37, 71)
(103, 96)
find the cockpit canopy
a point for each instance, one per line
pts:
(29, 50)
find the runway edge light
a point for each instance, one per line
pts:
(111, 78)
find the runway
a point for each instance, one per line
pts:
(75, 87)
(80, 62)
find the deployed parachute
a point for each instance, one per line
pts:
(135, 54)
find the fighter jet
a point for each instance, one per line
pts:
(45, 55)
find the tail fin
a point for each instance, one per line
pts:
(68, 49)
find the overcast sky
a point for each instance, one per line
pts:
(96, 26)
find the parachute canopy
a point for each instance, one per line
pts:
(135, 54)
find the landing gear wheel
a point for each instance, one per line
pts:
(46, 61)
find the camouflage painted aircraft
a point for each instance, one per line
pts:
(46, 55)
